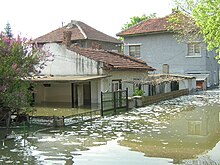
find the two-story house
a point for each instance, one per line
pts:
(152, 42)
(83, 35)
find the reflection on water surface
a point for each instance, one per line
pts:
(185, 130)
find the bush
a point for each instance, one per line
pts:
(138, 92)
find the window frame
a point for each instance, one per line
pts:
(136, 53)
(195, 128)
(196, 46)
(116, 84)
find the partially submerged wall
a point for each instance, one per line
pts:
(146, 100)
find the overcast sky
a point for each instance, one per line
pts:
(33, 18)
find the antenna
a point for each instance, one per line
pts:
(62, 23)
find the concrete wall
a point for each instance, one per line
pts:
(146, 100)
(213, 67)
(66, 62)
(104, 45)
(159, 49)
(124, 75)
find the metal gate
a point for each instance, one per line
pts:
(114, 100)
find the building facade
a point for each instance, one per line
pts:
(152, 42)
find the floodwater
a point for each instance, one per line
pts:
(184, 130)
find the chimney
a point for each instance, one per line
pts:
(67, 38)
(165, 69)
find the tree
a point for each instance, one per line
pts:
(8, 31)
(136, 19)
(18, 61)
(206, 16)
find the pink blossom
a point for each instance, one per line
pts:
(14, 66)
(12, 41)
(2, 88)
(19, 39)
(7, 39)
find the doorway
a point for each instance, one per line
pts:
(87, 94)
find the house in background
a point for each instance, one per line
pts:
(152, 42)
(76, 76)
(83, 35)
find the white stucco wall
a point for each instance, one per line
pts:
(124, 75)
(66, 62)
(95, 91)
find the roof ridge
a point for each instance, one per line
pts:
(48, 33)
(80, 29)
(142, 22)
(149, 23)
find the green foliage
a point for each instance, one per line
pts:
(206, 15)
(138, 92)
(136, 19)
(8, 31)
(17, 62)
(184, 26)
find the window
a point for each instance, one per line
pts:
(137, 84)
(134, 51)
(174, 86)
(194, 49)
(219, 117)
(116, 85)
(151, 90)
(194, 127)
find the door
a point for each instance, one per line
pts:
(87, 94)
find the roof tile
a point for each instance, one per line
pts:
(112, 60)
(148, 26)
(79, 31)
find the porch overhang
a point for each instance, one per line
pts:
(66, 78)
(200, 77)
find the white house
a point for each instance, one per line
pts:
(76, 76)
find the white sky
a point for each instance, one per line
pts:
(33, 18)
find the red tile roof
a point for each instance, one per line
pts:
(79, 31)
(148, 26)
(112, 60)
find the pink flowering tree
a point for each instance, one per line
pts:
(18, 61)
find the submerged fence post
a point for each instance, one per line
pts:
(126, 99)
(115, 102)
(101, 111)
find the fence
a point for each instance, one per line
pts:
(113, 101)
(64, 121)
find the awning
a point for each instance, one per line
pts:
(64, 78)
(200, 77)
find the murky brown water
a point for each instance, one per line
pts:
(185, 130)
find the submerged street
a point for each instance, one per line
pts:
(185, 130)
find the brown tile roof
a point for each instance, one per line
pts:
(112, 60)
(149, 26)
(79, 31)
